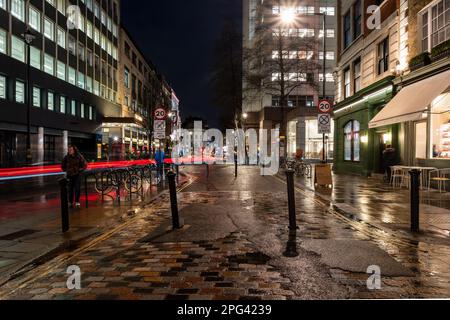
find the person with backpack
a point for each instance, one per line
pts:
(73, 165)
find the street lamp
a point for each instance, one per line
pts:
(28, 36)
(287, 15)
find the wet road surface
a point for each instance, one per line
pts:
(232, 248)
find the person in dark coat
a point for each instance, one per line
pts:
(73, 165)
(389, 160)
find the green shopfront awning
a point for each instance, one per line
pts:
(412, 101)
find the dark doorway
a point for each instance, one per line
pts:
(382, 146)
(8, 149)
(49, 149)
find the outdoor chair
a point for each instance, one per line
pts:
(441, 177)
(396, 177)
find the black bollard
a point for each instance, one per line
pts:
(235, 166)
(177, 168)
(291, 199)
(64, 205)
(86, 193)
(291, 247)
(415, 200)
(173, 201)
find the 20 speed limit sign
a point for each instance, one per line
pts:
(324, 106)
(160, 114)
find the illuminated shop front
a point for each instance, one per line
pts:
(422, 110)
(303, 134)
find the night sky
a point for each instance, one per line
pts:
(178, 36)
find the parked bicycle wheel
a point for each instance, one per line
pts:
(103, 183)
(135, 185)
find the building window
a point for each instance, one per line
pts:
(329, 11)
(49, 64)
(347, 82)
(18, 9)
(72, 76)
(3, 43)
(357, 75)
(20, 92)
(347, 30)
(61, 37)
(81, 52)
(383, 56)
(127, 78)
(2, 87)
(18, 49)
(34, 19)
(61, 6)
(357, 19)
(73, 108)
(61, 70)
(352, 141)
(72, 45)
(49, 29)
(3, 4)
(435, 25)
(440, 128)
(81, 82)
(50, 101)
(82, 111)
(35, 58)
(91, 113)
(62, 104)
(36, 97)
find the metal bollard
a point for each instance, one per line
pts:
(177, 168)
(235, 166)
(64, 205)
(86, 193)
(173, 201)
(291, 199)
(291, 247)
(207, 171)
(415, 200)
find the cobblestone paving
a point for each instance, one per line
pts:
(245, 264)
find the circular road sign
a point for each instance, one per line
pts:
(324, 106)
(160, 114)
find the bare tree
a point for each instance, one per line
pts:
(282, 59)
(226, 81)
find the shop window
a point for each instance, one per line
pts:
(352, 141)
(440, 127)
(421, 140)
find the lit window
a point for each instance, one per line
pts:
(82, 110)
(72, 45)
(61, 6)
(34, 19)
(3, 43)
(3, 4)
(352, 141)
(347, 82)
(18, 9)
(49, 64)
(329, 11)
(72, 76)
(20, 92)
(35, 58)
(435, 25)
(49, 29)
(73, 108)
(61, 37)
(18, 49)
(61, 70)
(2, 87)
(62, 104)
(50, 101)
(91, 113)
(81, 80)
(36, 97)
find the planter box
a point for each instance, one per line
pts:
(441, 55)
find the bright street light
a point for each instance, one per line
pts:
(287, 16)
(245, 116)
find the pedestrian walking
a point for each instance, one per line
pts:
(73, 165)
(159, 158)
(389, 160)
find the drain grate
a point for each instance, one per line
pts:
(18, 234)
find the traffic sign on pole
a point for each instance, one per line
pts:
(160, 114)
(324, 122)
(325, 106)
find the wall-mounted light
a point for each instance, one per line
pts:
(387, 138)
(365, 139)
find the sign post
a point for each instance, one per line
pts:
(322, 175)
